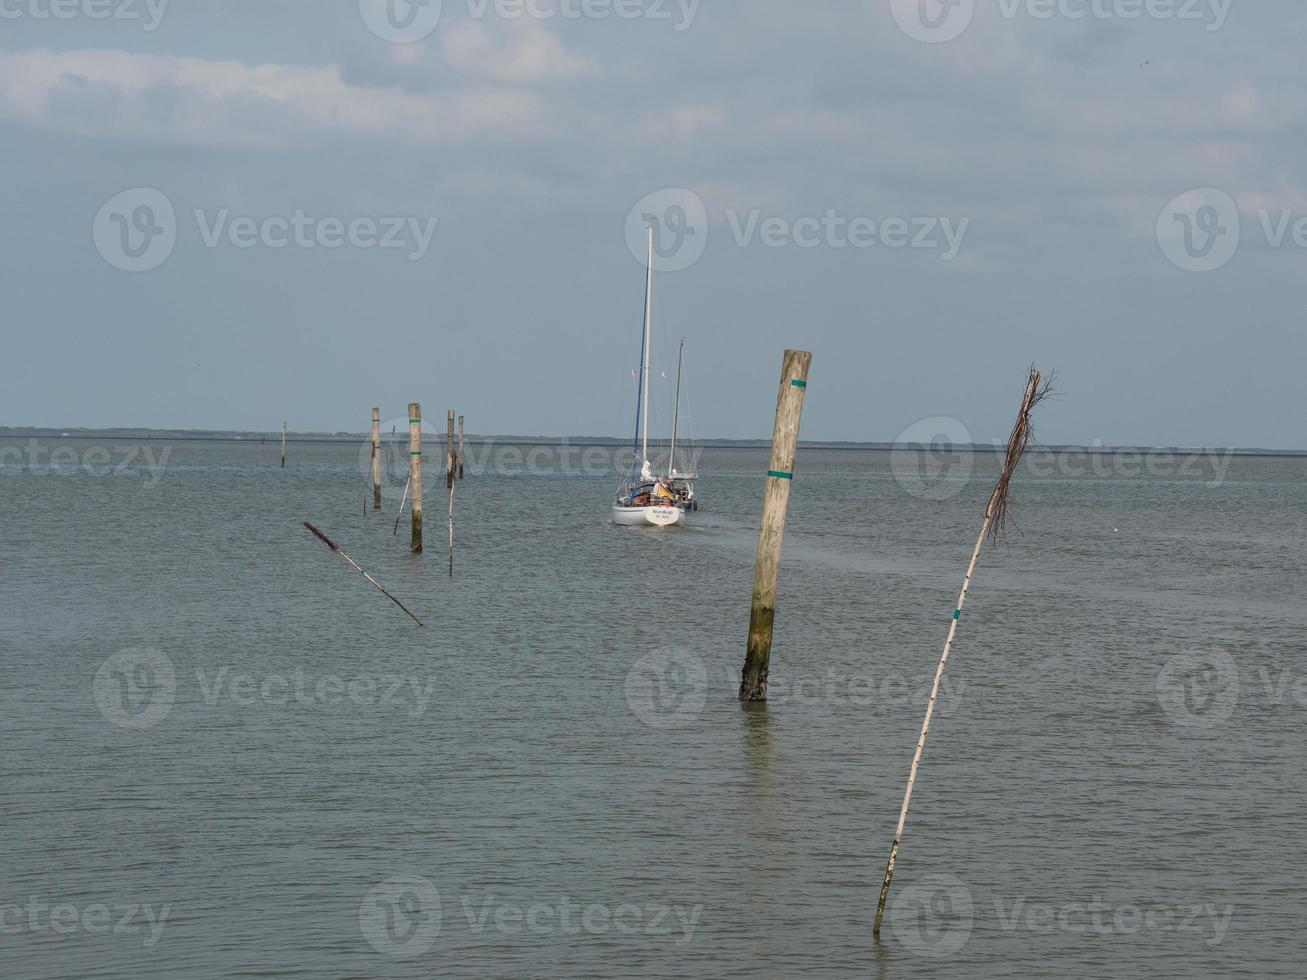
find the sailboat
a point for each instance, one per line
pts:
(648, 498)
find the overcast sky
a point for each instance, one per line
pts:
(1032, 159)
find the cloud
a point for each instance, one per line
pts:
(168, 98)
(1010, 119)
(531, 54)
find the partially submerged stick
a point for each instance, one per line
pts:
(336, 548)
(451, 464)
(451, 529)
(1037, 389)
(402, 501)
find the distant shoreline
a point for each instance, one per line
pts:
(221, 435)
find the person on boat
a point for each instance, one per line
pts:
(661, 492)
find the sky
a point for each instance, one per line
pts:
(227, 215)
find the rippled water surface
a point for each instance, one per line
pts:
(226, 755)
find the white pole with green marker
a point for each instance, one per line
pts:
(995, 518)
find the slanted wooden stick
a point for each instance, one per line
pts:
(454, 467)
(452, 484)
(402, 501)
(336, 548)
(995, 520)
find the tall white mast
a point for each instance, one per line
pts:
(648, 329)
(676, 411)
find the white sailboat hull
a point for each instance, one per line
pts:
(648, 516)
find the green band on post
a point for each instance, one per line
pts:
(417, 453)
(799, 384)
(414, 421)
(957, 613)
(779, 475)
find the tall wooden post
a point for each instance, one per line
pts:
(460, 447)
(415, 471)
(376, 458)
(283, 445)
(451, 454)
(776, 498)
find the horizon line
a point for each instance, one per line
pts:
(322, 436)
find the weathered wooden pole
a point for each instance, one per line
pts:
(451, 454)
(415, 471)
(376, 458)
(451, 473)
(776, 498)
(283, 445)
(460, 447)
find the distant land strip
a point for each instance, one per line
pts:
(221, 435)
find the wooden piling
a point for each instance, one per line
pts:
(451, 454)
(415, 472)
(776, 499)
(376, 458)
(460, 447)
(283, 445)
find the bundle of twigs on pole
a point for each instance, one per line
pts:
(996, 515)
(336, 548)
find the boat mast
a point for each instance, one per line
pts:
(648, 329)
(676, 411)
